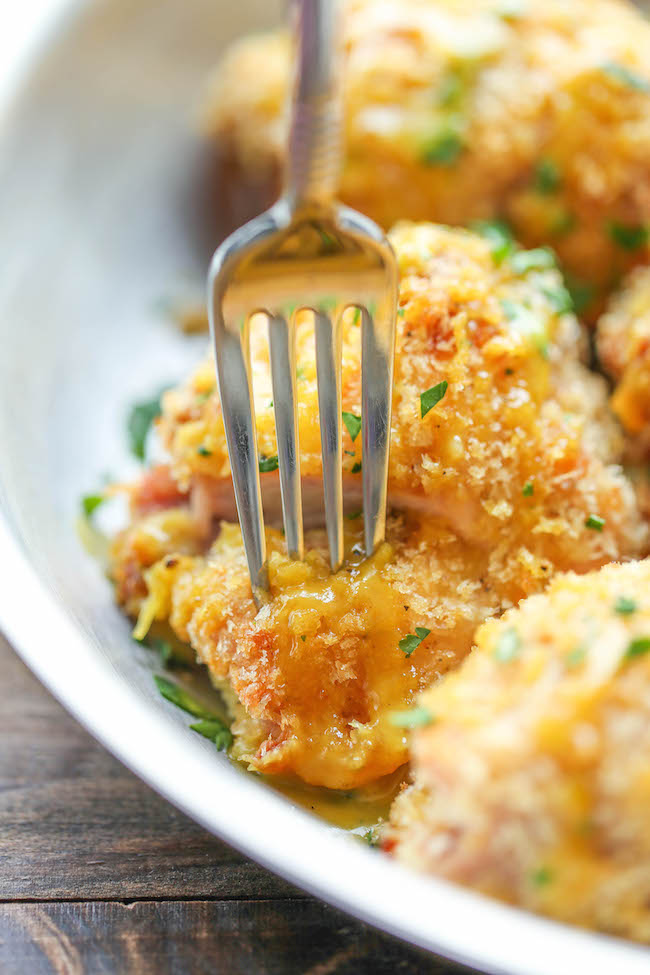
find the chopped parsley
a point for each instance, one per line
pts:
(541, 877)
(528, 489)
(401, 312)
(629, 236)
(412, 641)
(352, 424)
(499, 237)
(431, 397)
(90, 503)
(575, 657)
(303, 637)
(203, 451)
(371, 838)
(356, 317)
(165, 651)
(526, 324)
(356, 468)
(300, 373)
(414, 718)
(538, 259)
(625, 605)
(581, 293)
(546, 177)
(559, 298)
(216, 731)
(138, 424)
(443, 149)
(595, 522)
(182, 699)
(626, 76)
(637, 647)
(508, 646)
(268, 464)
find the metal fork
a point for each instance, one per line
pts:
(306, 252)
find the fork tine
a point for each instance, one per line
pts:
(377, 345)
(233, 377)
(328, 371)
(282, 348)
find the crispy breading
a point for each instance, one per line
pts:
(623, 341)
(464, 109)
(531, 781)
(517, 454)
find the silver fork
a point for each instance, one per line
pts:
(306, 252)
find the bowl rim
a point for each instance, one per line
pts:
(443, 918)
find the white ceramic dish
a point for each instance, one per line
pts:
(98, 196)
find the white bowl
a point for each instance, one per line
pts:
(100, 196)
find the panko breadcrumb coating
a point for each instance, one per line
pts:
(531, 767)
(623, 341)
(508, 478)
(319, 669)
(517, 455)
(457, 110)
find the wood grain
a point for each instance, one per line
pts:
(100, 876)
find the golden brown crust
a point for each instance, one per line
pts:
(452, 107)
(531, 783)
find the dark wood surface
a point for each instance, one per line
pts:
(98, 874)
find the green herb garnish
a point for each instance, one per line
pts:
(528, 489)
(356, 318)
(625, 605)
(538, 259)
(414, 718)
(216, 731)
(595, 522)
(626, 76)
(526, 324)
(353, 515)
(412, 641)
(90, 503)
(203, 451)
(546, 177)
(498, 235)
(541, 877)
(559, 298)
(443, 150)
(352, 424)
(431, 397)
(139, 421)
(562, 222)
(451, 89)
(182, 699)
(582, 293)
(267, 464)
(356, 468)
(508, 646)
(629, 236)
(637, 647)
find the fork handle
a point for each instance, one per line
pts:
(313, 161)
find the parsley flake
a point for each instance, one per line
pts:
(595, 522)
(431, 397)
(629, 236)
(546, 177)
(499, 237)
(559, 299)
(637, 647)
(356, 318)
(413, 718)
(581, 293)
(526, 324)
(443, 150)
(352, 424)
(508, 646)
(203, 451)
(528, 489)
(541, 877)
(216, 731)
(182, 699)
(90, 503)
(412, 641)
(268, 464)
(625, 605)
(627, 77)
(356, 468)
(138, 424)
(538, 259)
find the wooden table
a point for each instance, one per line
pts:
(98, 874)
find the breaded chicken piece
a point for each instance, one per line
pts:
(464, 109)
(516, 456)
(623, 342)
(531, 765)
(319, 668)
